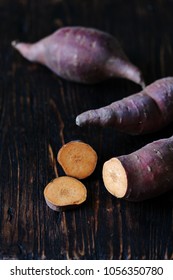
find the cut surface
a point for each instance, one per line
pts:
(114, 177)
(77, 159)
(64, 191)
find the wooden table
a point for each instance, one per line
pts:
(37, 116)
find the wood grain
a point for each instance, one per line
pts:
(37, 116)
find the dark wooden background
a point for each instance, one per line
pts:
(37, 116)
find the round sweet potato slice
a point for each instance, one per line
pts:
(64, 192)
(77, 159)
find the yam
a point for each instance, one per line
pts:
(81, 54)
(143, 174)
(144, 112)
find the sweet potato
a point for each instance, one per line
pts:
(143, 112)
(64, 192)
(143, 174)
(80, 54)
(77, 159)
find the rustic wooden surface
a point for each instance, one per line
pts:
(37, 115)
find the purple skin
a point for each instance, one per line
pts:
(82, 55)
(143, 112)
(60, 208)
(149, 170)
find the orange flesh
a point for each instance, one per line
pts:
(77, 159)
(114, 177)
(64, 191)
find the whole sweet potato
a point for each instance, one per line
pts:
(144, 112)
(80, 54)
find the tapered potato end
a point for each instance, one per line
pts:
(77, 159)
(64, 192)
(114, 177)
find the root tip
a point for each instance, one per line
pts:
(14, 43)
(78, 121)
(142, 83)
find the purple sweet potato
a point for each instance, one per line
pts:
(143, 174)
(82, 55)
(143, 112)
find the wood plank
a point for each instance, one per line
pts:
(37, 116)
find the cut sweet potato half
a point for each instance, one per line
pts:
(64, 192)
(77, 159)
(142, 174)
